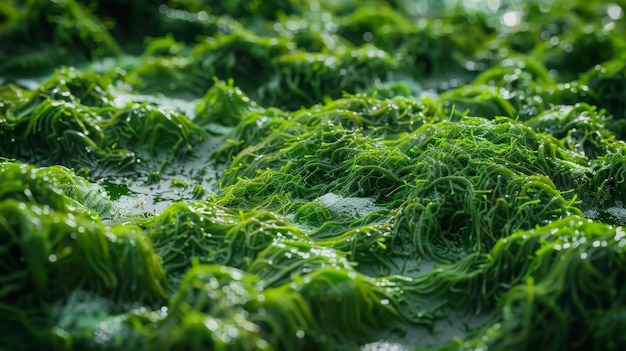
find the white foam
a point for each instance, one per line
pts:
(85, 313)
(618, 214)
(383, 346)
(127, 205)
(353, 207)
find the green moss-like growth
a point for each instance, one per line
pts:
(210, 233)
(437, 177)
(223, 104)
(56, 187)
(609, 179)
(148, 129)
(581, 128)
(57, 130)
(232, 54)
(85, 88)
(219, 307)
(606, 85)
(42, 34)
(75, 119)
(560, 296)
(54, 243)
(309, 78)
(312, 175)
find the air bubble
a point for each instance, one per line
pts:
(614, 11)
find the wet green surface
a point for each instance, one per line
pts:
(312, 175)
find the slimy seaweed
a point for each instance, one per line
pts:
(226, 56)
(55, 187)
(478, 100)
(312, 175)
(562, 298)
(52, 125)
(85, 88)
(48, 254)
(609, 179)
(56, 131)
(283, 317)
(75, 119)
(428, 178)
(311, 77)
(581, 128)
(605, 83)
(50, 214)
(213, 234)
(54, 30)
(154, 128)
(223, 104)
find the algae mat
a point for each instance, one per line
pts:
(312, 175)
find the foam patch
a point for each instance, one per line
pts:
(352, 207)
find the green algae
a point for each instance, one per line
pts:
(538, 310)
(312, 175)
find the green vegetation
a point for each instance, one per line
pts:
(312, 175)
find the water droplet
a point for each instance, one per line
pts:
(511, 18)
(614, 11)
